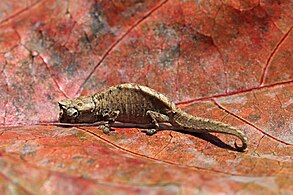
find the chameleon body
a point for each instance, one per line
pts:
(133, 103)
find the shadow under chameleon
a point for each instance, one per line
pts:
(162, 126)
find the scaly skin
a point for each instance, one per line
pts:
(132, 103)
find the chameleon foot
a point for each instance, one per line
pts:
(106, 129)
(150, 131)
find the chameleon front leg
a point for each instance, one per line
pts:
(110, 117)
(156, 117)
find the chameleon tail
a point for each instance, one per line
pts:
(197, 124)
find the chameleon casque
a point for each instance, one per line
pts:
(133, 103)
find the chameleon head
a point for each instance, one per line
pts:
(77, 110)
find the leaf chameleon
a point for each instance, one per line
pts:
(133, 103)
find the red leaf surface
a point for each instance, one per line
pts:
(226, 60)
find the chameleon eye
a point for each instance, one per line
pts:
(75, 114)
(72, 112)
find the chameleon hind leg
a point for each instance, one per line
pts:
(110, 117)
(156, 117)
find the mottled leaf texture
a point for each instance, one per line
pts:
(229, 61)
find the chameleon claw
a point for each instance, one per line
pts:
(106, 129)
(150, 131)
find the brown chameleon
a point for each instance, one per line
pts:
(133, 103)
